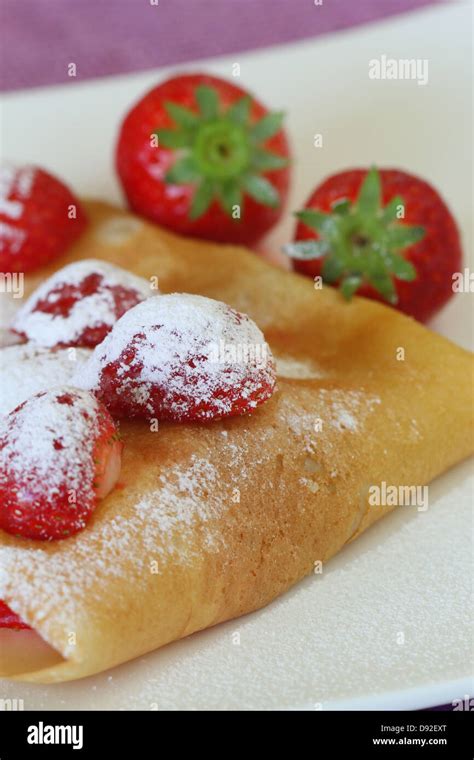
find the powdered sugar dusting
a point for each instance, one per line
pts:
(28, 369)
(163, 524)
(342, 410)
(47, 442)
(192, 348)
(15, 181)
(348, 408)
(184, 498)
(297, 369)
(94, 309)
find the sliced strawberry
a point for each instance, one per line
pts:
(181, 357)
(108, 461)
(59, 454)
(9, 619)
(39, 218)
(79, 304)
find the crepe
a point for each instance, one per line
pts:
(212, 521)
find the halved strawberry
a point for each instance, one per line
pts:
(78, 305)
(59, 454)
(181, 357)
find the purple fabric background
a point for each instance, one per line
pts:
(103, 37)
(40, 37)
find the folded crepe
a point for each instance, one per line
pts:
(212, 521)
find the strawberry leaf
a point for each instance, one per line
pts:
(332, 268)
(208, 101)
(183, 117)
(261, 190)
(240, 111)
(268, 126)
(230, 196)
(383, 283)
(202, 199)
(368, 202)
(350, 285)
(402, 236)
(265, 161)
(341, 207)
(402, 268)
(392, 209)
(183, 172)
(171, 139)
(316, 220)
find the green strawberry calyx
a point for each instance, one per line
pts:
(360, 242)
(221, 152)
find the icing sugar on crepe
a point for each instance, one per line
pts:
(342, 410)
(184, 498)
(162, 524)
(297, 369)
(47, 322)
(28, 369)
(192, 348)
(173, 522)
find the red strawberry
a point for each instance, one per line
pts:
(59, 454)
(219, 151)
(79, 304)
(39, 218)
(181, 357)
(9, 619)
(386, 235)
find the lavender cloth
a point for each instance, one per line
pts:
(102, 37)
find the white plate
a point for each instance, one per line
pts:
(388, 624)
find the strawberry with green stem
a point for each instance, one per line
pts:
(203, 157)
(382, 234)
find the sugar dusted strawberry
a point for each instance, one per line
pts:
(79, 304)
(28, 369)
(181, 357)
(9, 619)
(59, 454)
(39, 218)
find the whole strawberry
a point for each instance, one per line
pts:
(384, 234)
(39, 218)
(201, 156)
